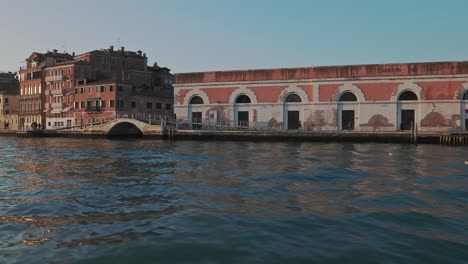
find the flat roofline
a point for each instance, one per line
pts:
(326, 66)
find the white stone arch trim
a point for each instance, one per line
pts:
(348, 87)
(196, 92)
(408, 86)
(461, 91)
(140, 125)
(242, 90)
(293, 89)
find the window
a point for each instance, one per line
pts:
(348, 97)
(103, 89)
(149, 105)
(196, 100)
(81, 104)
(113, 61)
(119, 88)
(6, 100)
(168, 106)
(111, 103)
(158, 106)
(97, 89)
(111, 88)
(0, 100)
(82, 90)
(103, 103)
(77, 105)
(243, 99)
(7, 112)
(88, 104)
(76, 90)
(104, 61)
(90, 90)
(133, 104)
(293, 98)
(408, 96)
(124, 63)
(120, 103)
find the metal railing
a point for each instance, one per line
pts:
(56, 91)
(54, 78)
(29, 96)
(229, 125)
(57, 105)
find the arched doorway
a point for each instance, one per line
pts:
(291, 110)
(464, 112)
(241, 110)
(407, 105)
(195, 113)
(347, 108)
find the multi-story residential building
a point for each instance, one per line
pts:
(123, 84)
(9, 105)
(61, 80)
(60, 90)
(32, 86)
(9, 108)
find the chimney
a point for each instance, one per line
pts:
(122, 49)
(73, 54)
(139, 52)
(144, 55)
(111, 48)
(55, 51)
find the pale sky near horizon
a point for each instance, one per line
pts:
(211, 35)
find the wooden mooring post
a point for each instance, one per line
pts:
(454, 140)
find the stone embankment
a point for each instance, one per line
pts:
(306, 136)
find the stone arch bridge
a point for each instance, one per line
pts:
(127, 127)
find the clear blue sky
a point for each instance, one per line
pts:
(202, 35)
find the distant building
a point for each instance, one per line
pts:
(60, 90)
(9, 106)
(391, 97)
(124, 85)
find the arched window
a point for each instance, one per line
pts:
(196, 100)
(243, 99)
(407, 96)
(293, 98)
(465, 95)
(348, 97)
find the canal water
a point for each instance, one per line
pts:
(145, 201)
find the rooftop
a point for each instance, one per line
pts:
(326, 72)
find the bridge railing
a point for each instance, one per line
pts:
(151, 119)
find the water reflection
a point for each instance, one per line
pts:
(71, 194)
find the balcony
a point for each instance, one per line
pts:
(30, 112)
(93, 109)
(57, 105)
(54, 78)
(29, 97)
(57, 91)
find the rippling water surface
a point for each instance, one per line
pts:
(142, 201)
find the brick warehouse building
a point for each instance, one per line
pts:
(388, 97)
(62, 90)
